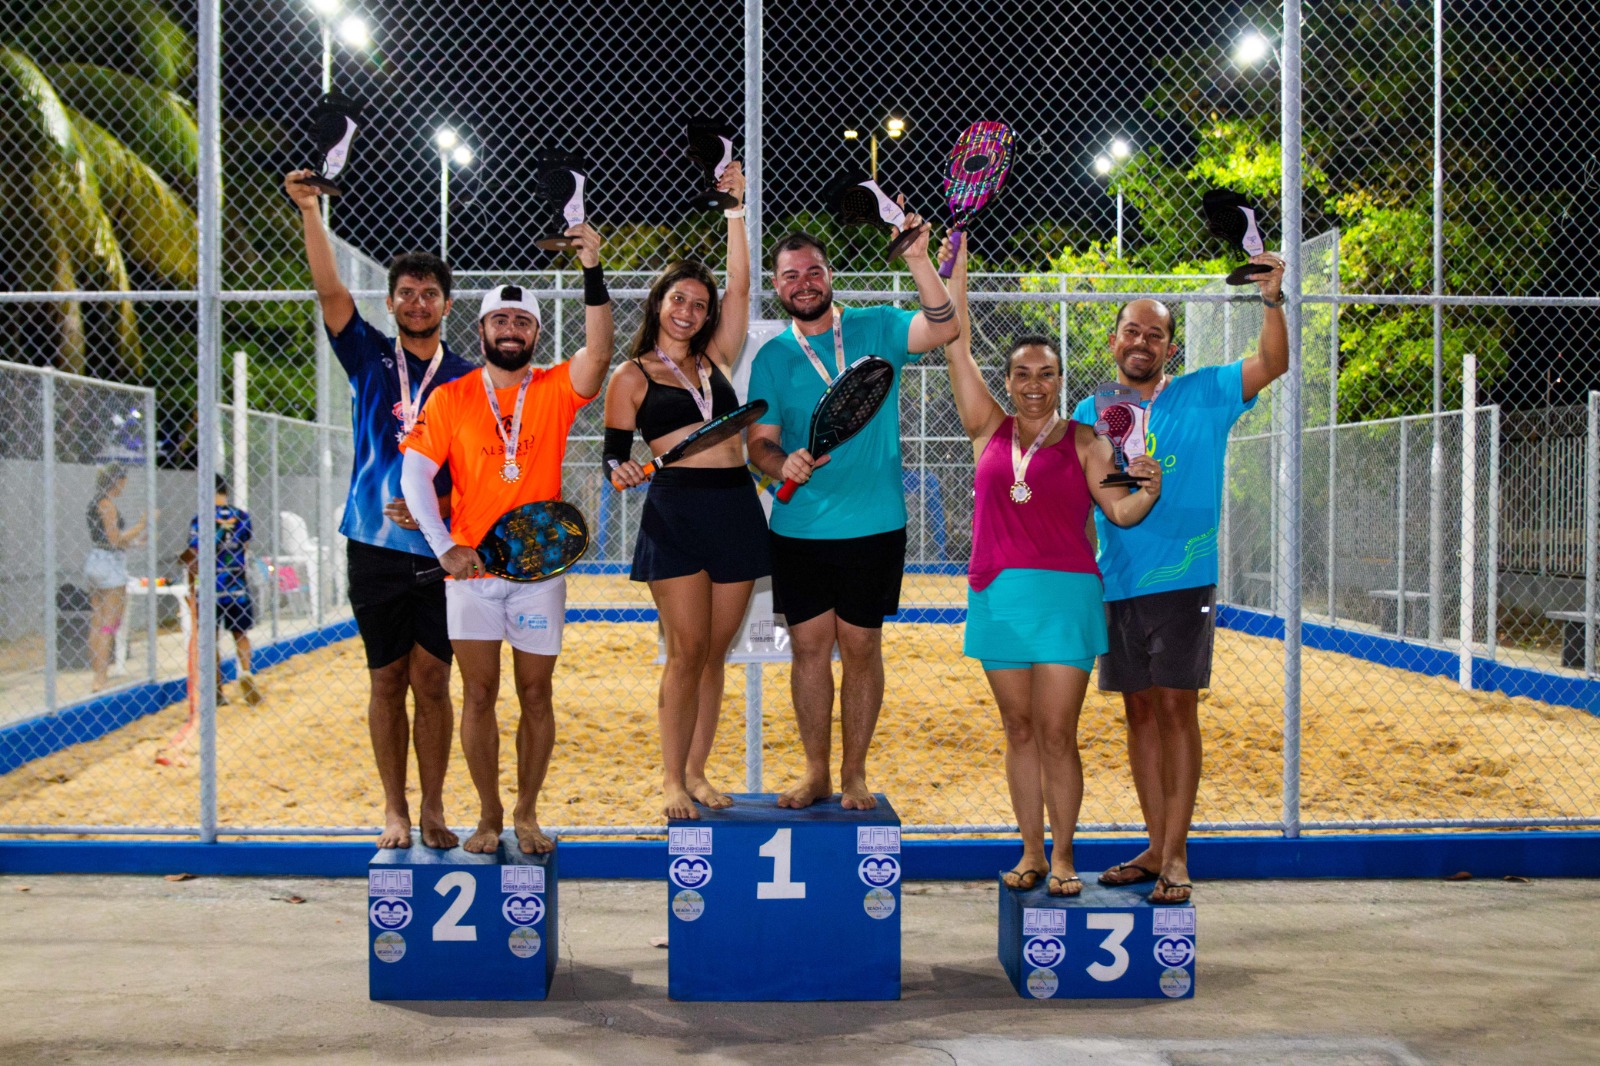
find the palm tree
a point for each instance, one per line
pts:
(99, 152)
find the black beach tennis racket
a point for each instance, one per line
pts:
(978, 166)
(1230, 217)
(713, 432)
(534, 542)
(845, 409)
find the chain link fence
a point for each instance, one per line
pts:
(1410, 593)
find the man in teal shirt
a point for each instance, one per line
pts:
(839, 547)
(1161, 575)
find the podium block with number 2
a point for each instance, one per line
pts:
(1106, 943)
(773, 904)
(457, 925)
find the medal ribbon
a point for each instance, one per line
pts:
(516, 415)
(1019, 460)
(409, 410)
(838, 347)
(702, 403)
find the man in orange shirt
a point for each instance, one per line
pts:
(503, 434)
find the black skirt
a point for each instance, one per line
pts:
(699, 518)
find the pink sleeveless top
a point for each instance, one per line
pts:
(1047, 532)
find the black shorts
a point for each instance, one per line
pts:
(1162, 639)
(398, 600)
(857, 578)
(699, 518)
(236, 614)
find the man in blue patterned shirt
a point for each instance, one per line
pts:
(236, 612)
(396, 584)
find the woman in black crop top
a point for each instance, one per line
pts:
(702, 534)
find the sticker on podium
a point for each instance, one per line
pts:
(1105, 943)
(772, 904)
(456, 925)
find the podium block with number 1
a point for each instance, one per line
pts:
(773, 904)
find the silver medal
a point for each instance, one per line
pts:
(511, 471)
(1020, 492)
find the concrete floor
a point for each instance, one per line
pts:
(1315, 973)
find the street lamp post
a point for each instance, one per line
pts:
(451, 150)
(894, 126)
(1116, 153)
(353, 33)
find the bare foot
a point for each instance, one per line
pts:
(485, 839)
(856, 796)
(435, 834)
(703, 792)
(396, 832)
(808, 791)
(677, 803)
(532, 839)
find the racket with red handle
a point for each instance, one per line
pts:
(845, 409)
(713, 432)
(978, 166)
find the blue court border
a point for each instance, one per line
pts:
(1491, 855)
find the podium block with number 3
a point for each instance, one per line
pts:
(772, 904)
(1105, 943)
(456, 925)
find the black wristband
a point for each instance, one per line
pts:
(617, 449)
(594, 288)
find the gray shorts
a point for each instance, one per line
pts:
(1164, 639)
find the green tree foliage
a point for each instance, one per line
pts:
(1367, 170)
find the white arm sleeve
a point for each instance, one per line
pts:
(416, 483)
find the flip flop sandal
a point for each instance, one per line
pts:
(1025, 879)
(1164, 886)
(1063, 882)
(1145, 874)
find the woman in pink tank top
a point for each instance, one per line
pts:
(1034, 614)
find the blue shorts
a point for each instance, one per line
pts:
(1036, 616)
(236, 614)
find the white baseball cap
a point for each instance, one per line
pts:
(510, 298)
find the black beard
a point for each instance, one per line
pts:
(1155, 372)
(509, 360)
(810, 316)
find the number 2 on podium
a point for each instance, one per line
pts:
(780, 887)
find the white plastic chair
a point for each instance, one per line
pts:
(300, 549)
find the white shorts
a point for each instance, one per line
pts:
(528, 615)
(105, 569)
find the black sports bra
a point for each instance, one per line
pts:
(667, 408)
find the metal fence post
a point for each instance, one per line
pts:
(1469, 509)
(1333, 435)
(1436, 459)
(48, 413)
(208, 354)
(276, 524)
(1491, 600)
(753, 739)
(1591, 529)
(151, 537)
(753, 45)
(1288, 578)
(1401, 506)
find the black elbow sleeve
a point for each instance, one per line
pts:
(618, 449)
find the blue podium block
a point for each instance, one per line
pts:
(773, 904)
(456, 925)
(1105, 943)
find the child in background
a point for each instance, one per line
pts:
(235, 611)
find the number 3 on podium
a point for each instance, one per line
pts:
(781, 886)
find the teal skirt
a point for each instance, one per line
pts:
(1037, 616)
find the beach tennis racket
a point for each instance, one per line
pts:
(1230, 217)
(845, 409)
(713, 432)
(534, 542)
(978, 166)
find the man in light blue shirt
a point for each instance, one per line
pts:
(839, 546)
(1161, 575)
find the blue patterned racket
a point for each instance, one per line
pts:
(535, 542)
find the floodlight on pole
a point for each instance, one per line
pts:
(452, 149)
(894, 126)
(325, 8)
(354, 32)
(1251, 49)
(1121, 149)
(1102, 165)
